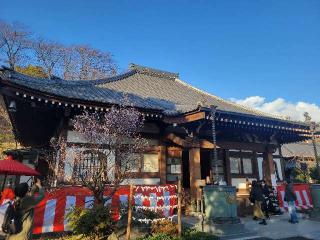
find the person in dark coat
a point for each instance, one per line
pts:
(256, 197)
(266, 199)
(27, 203)
(290, 198)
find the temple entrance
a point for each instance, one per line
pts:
(205, 159)
(185, 169)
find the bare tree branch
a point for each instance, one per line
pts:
(114, 145)
(49, 55)
(15, 40)
(86, 63)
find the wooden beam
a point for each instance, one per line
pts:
(191, 117)
(256, 147)
(177, 140)
(174, 152)
(206, 144)
(186, 144)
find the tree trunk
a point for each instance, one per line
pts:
(98, 197)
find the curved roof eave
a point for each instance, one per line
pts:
(80, 90)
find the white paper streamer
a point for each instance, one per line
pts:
(158, 197)
(156, 208)
(147, 221)
(156, 188)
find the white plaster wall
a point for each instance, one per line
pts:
(69, 162)
(240, 182)
(142, 181)
(75, 137)
(278, 166)
(260, 168)
(153, 142)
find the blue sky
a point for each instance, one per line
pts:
(234, 49)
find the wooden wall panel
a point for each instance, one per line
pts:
(162, 164)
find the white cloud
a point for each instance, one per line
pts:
(282, 107)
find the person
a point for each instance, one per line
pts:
(274, 203)
(256, 197)
(7, 193)
(26, 204)
(266, 199)
(290, 198)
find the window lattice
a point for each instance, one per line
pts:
(89, 163)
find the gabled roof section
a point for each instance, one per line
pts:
(157, 84)
(303, 149)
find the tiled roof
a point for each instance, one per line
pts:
(304, 149)
(146, 82)
(82, 90)
(145, 87)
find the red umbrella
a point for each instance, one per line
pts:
(9, 166)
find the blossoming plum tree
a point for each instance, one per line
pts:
(113, 147)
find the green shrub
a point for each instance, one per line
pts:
(165, 226)
(299, 176)
(191, 234)
(147, 214)
(94, 223)
(314, 174)
(159, 236)
(188, 234)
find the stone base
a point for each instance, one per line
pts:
(227, 230)
(224, 231)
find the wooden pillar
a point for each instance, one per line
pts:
(163, 164)
(61, 157)
(283, 166)
(195, 171)
(129, 213)
(268, 167)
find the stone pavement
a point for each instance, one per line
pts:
(278, 228)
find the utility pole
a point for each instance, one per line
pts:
(313, 129)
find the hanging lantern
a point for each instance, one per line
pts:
(12, 106)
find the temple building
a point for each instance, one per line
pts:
(299, 155)
(194, 135)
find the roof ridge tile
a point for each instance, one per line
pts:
(153, 71)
